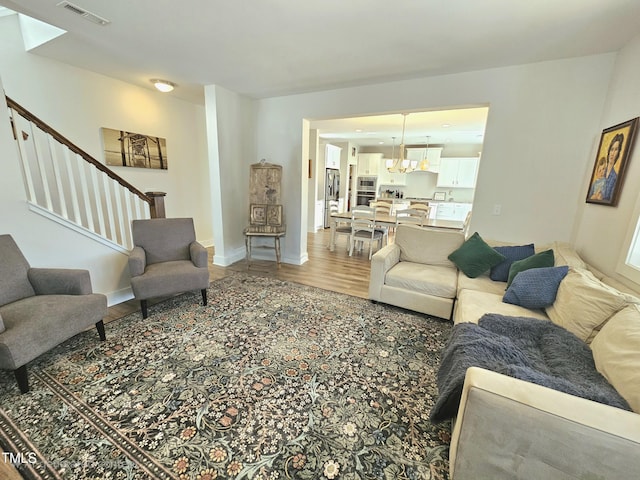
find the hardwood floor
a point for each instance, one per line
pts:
(334, 271)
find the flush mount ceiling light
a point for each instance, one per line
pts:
(163, 85)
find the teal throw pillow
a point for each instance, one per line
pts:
(474, 257)
(539, 260)
(536, 287)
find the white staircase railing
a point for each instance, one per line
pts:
(67, 185)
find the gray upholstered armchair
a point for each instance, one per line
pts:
(166, 260)
(41, 308)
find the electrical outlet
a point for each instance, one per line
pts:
(497, 209)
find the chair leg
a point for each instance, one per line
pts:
(101, 332)
(143, 307)
(22, 379)
(204, 296)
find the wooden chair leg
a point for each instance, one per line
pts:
(204, 296)
(143, 307)
(101, 332)
(22, 379)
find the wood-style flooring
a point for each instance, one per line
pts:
(334, 271)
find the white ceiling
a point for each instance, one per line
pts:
(263, 48)
(456, 126)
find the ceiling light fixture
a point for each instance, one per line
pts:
(401, 164)
(424, 164)
(163, 85)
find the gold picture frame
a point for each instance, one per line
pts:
(611, 162)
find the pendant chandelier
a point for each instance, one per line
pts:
(424, 164)
(400, 164)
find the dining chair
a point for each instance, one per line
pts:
(422, 207)
(383, 208)
(341, 228)
(412, 216)
(363, 228)
(466, 223)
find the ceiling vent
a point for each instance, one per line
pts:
(92, 17)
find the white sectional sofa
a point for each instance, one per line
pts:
(510, 428)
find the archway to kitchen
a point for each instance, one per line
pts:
(357, 159)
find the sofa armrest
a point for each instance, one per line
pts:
(199, 255)
(137, 261)
(60, 281)
(509, 428)
(381, 263)
(2, 327)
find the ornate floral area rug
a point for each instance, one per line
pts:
(272, 380)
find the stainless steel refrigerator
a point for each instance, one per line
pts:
(331, 193)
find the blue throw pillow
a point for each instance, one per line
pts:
(500, 273)
(536, 287)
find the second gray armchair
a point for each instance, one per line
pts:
(166, 260)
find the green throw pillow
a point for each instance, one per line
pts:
(539, 260)
(474, 257)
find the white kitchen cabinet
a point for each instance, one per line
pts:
(431, 155)
(458, 172)
(369, 164)
(319, 215)
(332, 156)
(387, 178)
(453, 211)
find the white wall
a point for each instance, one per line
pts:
(78, 103)
(601, 230)
(537, 144)
(231, 149)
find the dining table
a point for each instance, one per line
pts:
(389, 221)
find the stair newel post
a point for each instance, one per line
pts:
(157, 204)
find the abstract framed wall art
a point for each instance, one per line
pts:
(611, 162)
(129, 149)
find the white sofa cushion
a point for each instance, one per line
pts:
(616, 352)
(482, 283)
(565, 254)
(436, 280)
(583, 304)
(473, 304)
(431, 247)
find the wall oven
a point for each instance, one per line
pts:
(366, 191)
(363, 198)
(367, 184)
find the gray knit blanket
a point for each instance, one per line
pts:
(537, 351)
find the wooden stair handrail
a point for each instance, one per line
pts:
(75, 149)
